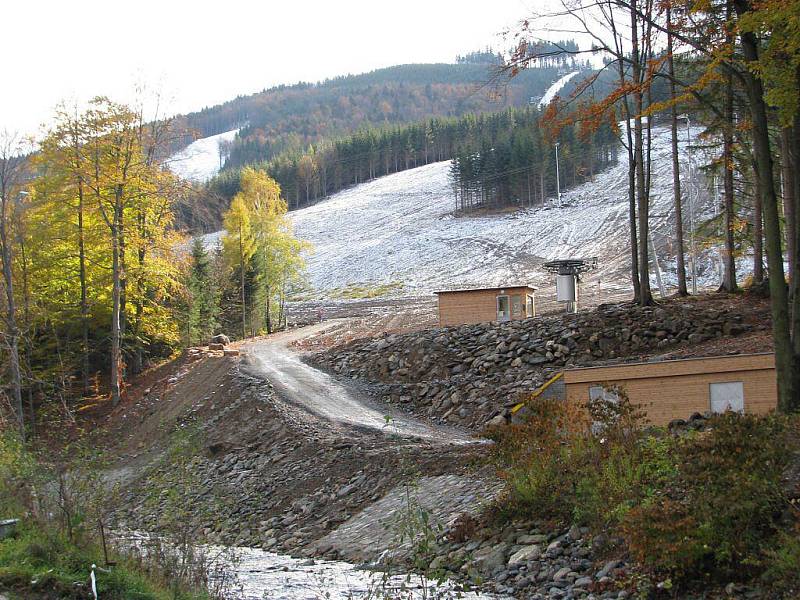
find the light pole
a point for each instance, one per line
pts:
(558, 177)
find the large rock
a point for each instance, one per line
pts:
(525, 554)
(221, 338)
(491, 558)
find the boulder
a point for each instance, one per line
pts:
(525, 554)
(497, 421)
(215, 346)
(221, 338)
(491, 558)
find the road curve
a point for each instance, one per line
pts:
(328, 399)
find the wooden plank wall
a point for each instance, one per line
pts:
(666, 398)
(474, 306)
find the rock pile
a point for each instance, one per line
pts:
(468, 374)
(530, 561)
(264, 479)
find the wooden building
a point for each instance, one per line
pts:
(676, 389)
(480, 305)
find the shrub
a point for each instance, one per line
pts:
(705, 504)
(783, 563)
(574, 463)
(722, 512)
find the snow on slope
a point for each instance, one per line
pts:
(555, 88)
(400, 229)
(200, 160)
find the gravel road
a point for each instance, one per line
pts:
(329, 399)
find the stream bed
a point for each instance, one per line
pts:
(265, 575)
(253, 574)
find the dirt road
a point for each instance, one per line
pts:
(328, 399)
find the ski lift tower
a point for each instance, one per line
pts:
(568, 272)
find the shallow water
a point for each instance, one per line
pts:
(254, 574)
(264, 575)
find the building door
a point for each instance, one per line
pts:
(530, 307)
(516, 306)
(503, 308)
(727, 396)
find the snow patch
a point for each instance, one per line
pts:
(400, 229)
(200, 160)
(555, 88)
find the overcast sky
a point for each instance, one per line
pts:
(200, 53)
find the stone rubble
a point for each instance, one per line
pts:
(471, 374)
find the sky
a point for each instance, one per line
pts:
(198, 53)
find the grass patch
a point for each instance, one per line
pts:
(59, 505)
(365, 291)
(42, 563)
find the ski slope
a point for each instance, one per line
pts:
(400, 232)
(200, 160)
(555, 88)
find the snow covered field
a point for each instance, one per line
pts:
(200, 160)
(399, 232)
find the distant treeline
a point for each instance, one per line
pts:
(514, 164)
(298, 118)
(496, 153)
(302, 112)
(291, 118)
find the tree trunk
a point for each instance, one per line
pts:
(676, 168)
(268, 311)
(84, 295)
(241, 268)
(729, 262)
(794, 154)
(12, 335)
(626, 112)
(789, 199)
(758, 232)
(787, 362)
(642, 204)
(116, 357)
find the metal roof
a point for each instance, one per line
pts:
(484, 289)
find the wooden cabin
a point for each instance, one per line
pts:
(481, 305)
(676, 389)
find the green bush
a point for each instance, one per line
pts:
(589, 465)
(723, 511)
(705, 505)
(783, 563)
(57, 541)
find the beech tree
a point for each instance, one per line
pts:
(11, 187)
(259, 247)
(103, 201)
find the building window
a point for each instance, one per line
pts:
(599, 392)
(503, 309)
(603, 405)
(516, 305)
(726, 396)
(530, 310)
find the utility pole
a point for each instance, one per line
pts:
(558, 177)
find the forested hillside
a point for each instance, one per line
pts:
(502, 158)
(294, 116)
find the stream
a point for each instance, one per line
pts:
(254, 574)
(264, 575)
